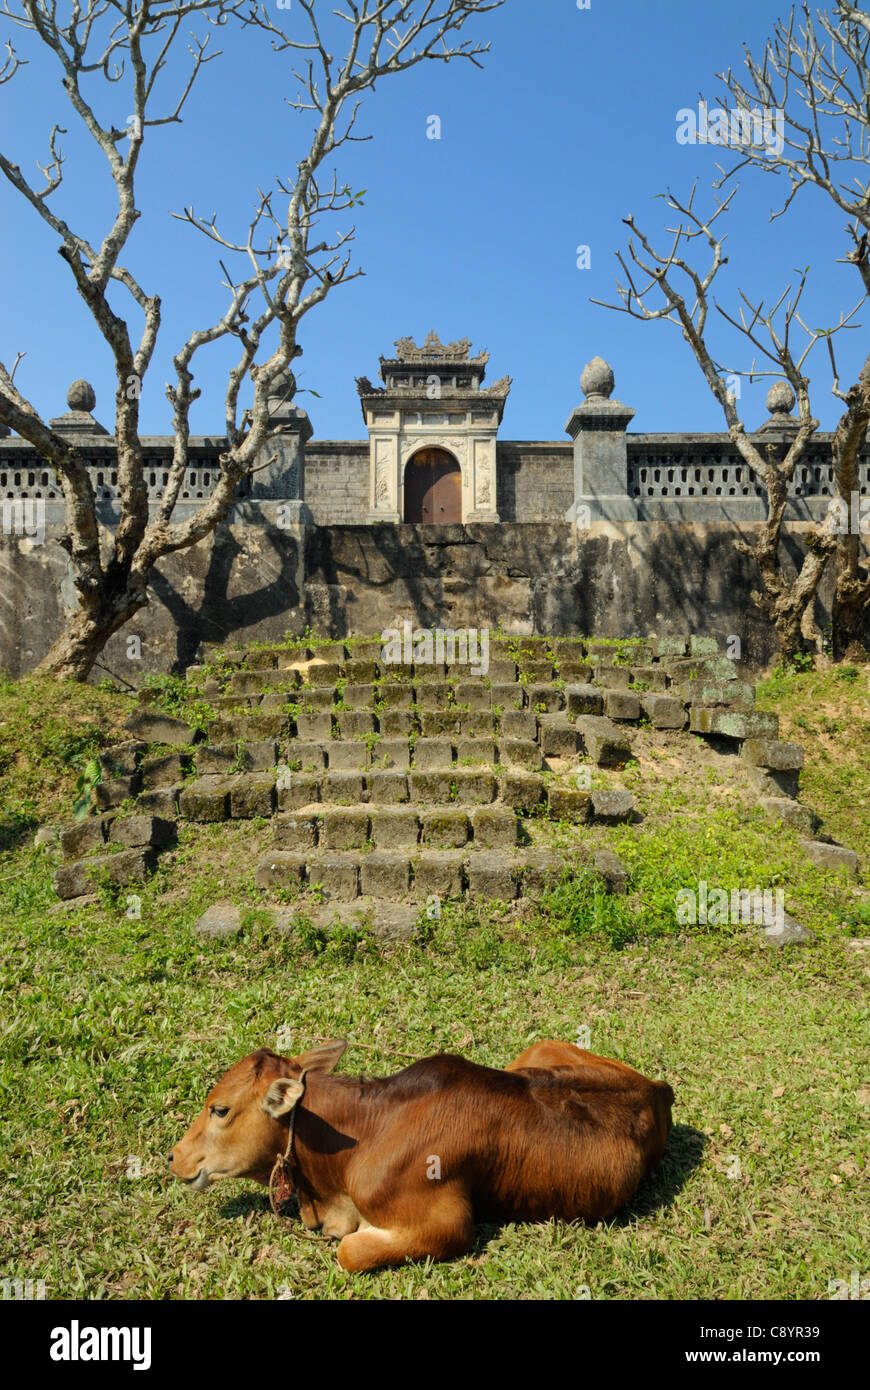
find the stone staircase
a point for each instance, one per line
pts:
(403, 783)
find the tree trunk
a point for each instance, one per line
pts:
(788, 605)
(849, 611)
(849, 623)
(73, 655)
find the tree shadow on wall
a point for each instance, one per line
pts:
(695, 578)
(409, 559)
(221, 615)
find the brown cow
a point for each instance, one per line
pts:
(401, 1167)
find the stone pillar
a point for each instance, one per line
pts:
(385, 472)
(483, 481)
(279, 474)
(598, 428)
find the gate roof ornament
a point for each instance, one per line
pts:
(451, 369)
(407, 350)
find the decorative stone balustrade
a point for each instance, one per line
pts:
(617, 476)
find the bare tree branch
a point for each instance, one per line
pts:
(685, 291)
(290, 266)
(814, 73)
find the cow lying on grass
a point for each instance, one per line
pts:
(402, 1167)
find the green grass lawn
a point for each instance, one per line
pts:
(114, 1027)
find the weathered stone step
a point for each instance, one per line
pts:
(237, 781)
(523, 650)
(792, 813)
(773, 754)
(392, 827)
(401, 705)
(271, 723)
(519, 789)
(450, 651)
(243, 796)
(664, 711)
(772, 782)
(363, 685)
(137, 839)
(831, 857)
(607, 745)
(240, 797)
(714, 668)
(386, 921)
(451, 724)
(774, 768)
(449, 826)
(94, 832)
(623, 653)
(397, 877)
(731, 723)
(359, 710)
(520, 739)
(153, 727)
(129, 866)
(467, 736)
(249, 679)
(738, 695)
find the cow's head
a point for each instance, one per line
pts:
(244, 1122)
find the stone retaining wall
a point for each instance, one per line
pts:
(257, 580)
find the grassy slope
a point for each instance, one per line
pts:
(829, 713)
(47, 731)
(113, 1027)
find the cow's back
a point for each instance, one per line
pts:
(581, 1150)
(568, 1141)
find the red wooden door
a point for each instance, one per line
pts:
(433, 489)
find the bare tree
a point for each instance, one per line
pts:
(291, 265)
(815, 72)
(686, 293)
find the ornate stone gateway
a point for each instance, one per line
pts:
(433, 488)
(433, 400)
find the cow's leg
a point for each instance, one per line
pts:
(441, 1234)
(334, 1216)
(341, 1218)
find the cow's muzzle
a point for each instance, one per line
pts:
(201, 1182)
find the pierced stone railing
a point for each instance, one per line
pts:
(695, 467)
(662, 470)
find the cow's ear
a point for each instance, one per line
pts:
(282, 1095)
(325, 1058)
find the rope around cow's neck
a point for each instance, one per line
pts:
(281, 1172)
(282, 1169)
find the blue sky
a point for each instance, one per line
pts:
(569, 127)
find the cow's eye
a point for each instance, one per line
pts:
(220, 1110)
